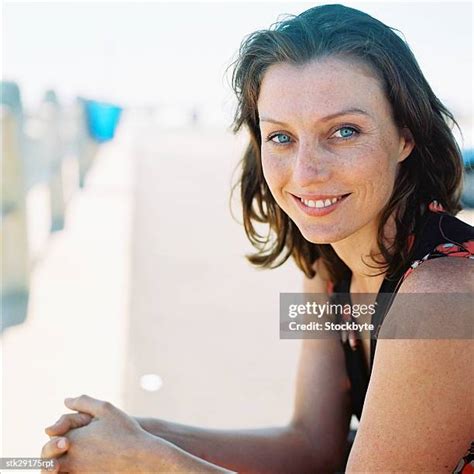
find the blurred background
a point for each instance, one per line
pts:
(123, 271)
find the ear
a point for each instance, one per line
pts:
(407, 143)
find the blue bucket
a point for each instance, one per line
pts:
(102, 119)
(468, 158)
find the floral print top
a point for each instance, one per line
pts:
(445, 249)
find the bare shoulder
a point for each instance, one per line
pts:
(444, 274)
(420, 382)
(434, 302)
(420, 376)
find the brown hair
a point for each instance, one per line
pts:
(432, 171)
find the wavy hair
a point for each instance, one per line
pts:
(432, 171)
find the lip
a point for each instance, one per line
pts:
(316, 197)
(318, 212)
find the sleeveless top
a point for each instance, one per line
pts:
(440, 235)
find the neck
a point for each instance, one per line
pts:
(355, 252)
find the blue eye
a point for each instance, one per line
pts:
(346, 132)
(280, 138)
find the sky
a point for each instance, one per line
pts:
(175, 54)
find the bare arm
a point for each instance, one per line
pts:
(419, 385)
(273, 450)
(315, 439)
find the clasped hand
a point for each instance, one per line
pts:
(100, 437)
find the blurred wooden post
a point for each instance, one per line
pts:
(86, 147)
(88, 151)
(13, 235)
(56, 193)
(50, 111)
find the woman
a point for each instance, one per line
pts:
(354, 168)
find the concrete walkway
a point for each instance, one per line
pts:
(177, 300)
(202, 318)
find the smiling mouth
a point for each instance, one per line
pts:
(321, 203)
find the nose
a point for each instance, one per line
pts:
(311, 165)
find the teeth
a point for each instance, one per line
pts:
(320, 203)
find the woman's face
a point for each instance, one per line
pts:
(328, 133)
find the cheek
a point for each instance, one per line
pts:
(276, 172)
(376, 172)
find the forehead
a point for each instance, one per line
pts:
(320, 87)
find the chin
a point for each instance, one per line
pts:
(316, 236)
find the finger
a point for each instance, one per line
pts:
(68, 422)
(55, 447)
(86, 404)
(60, 466)
(53, 470)
(52, 467)
(64, 466)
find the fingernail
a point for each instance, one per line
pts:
(62, 443)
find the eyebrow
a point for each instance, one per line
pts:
(351, 111)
